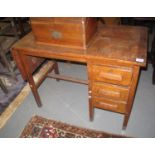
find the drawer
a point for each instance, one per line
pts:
(114, 75)
(111, 105)
(110, 91)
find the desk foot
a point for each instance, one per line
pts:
(37, 98)
(91, 112)
(123, 132)
(38, 101)
(36, 95)
(124, 128)
(125, 122)
(56, 69)
(39, 105)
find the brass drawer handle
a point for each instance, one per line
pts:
(56, 35)
(106, 104)
(109, 93)
(110, 76)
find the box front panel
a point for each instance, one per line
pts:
(59, 33)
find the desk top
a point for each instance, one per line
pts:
(126, 44)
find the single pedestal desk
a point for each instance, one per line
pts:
(114, 58)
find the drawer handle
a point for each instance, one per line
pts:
(106, 104)
(111, 76)
(109, 93)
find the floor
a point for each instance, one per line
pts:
(12, 86)
(68, 102)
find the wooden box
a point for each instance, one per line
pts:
(72, 32)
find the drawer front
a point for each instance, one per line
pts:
(114, 75)
(110, 91)
(111, 105)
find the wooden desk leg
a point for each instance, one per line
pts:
(133, 87)
(56, 69)
(125, 122)
(91, 109)
(31, 80)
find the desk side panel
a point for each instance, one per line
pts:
(33, 62)
(17, 59)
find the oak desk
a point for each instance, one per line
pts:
(113, 60)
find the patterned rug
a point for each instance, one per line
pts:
(39, 127)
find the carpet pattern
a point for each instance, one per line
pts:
(39, 127)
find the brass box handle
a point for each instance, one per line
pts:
(56, 35)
